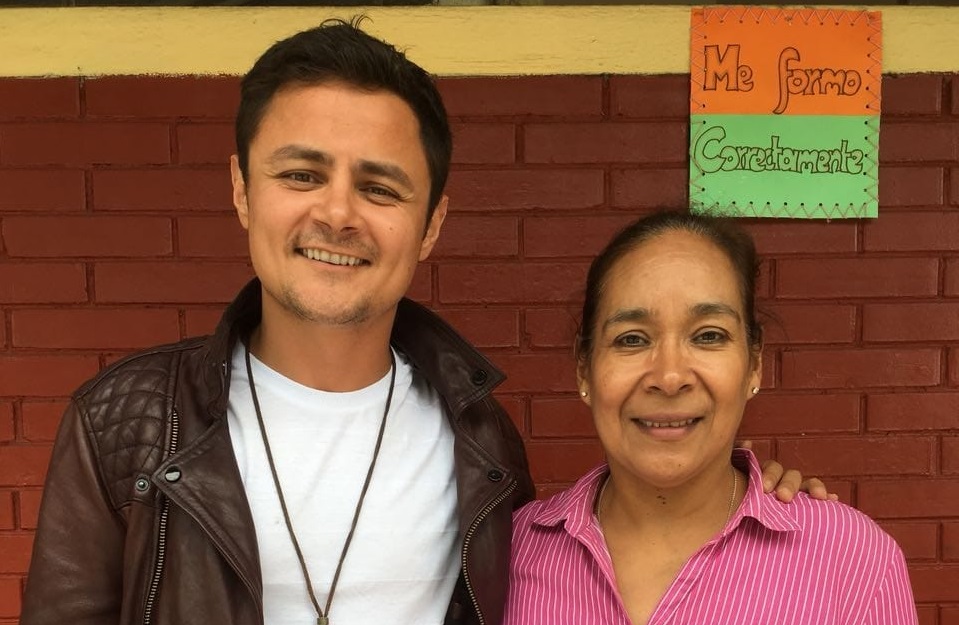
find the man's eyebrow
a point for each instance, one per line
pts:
(627, 314)
(708, 309)
(300, 153)
(385, 170)
(372, 168)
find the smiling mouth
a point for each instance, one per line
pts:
(342, 260)
(668, 424)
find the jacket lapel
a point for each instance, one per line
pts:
(202, 479)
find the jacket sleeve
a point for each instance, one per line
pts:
(76, 571)
(525, 490)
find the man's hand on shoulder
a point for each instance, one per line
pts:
(786, 483)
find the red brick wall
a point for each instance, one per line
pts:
(117, 233)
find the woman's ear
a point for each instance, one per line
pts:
(582, 378)
(756, 371)
(584, 394)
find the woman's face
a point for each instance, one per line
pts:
(671, 367)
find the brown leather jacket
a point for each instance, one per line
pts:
(144, 519)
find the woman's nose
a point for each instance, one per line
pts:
(669, 371)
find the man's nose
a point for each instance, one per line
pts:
(336, 207)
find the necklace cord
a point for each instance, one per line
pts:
(732, 498)
(366, 485)
(323, 615)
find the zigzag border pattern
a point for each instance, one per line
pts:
(821, 211)
(697, 70)
(758, 14)
(701, 204)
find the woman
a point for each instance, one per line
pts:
(676, 529)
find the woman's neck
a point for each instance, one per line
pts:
(651, 532)
(701, 505)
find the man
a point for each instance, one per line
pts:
(332, 453)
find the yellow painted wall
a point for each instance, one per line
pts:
(474, 41)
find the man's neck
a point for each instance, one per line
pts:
(324, 357)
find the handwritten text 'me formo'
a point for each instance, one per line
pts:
(793, 80)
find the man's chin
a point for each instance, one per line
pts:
(326, 314)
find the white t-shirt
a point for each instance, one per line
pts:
(404, 559)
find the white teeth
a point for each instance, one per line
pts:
(333, 259)
(669, 424)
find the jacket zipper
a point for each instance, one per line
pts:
(469, 536)
(161, 537)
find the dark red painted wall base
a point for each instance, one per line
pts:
(116, 233)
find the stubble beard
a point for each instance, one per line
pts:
(357, 313)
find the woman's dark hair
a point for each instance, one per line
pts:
(337, 50)
(734, 242)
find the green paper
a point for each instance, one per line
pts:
(801, 166)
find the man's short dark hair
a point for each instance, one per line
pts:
(338, 50)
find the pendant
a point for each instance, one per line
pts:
(322, 620)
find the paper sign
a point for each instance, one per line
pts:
(784, 112)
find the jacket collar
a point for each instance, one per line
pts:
(451, 365)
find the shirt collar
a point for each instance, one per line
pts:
(574, 506)
(764, 508)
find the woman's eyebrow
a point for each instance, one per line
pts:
(709, 309)
(627, 314)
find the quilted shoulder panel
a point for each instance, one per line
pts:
(126, 409)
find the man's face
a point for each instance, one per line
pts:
(335, 203)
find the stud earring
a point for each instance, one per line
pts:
(755, 390)
(583, 394)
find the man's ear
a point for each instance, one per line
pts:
(433, 227)
(239, 192)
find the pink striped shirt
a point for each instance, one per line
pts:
(809, 562)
